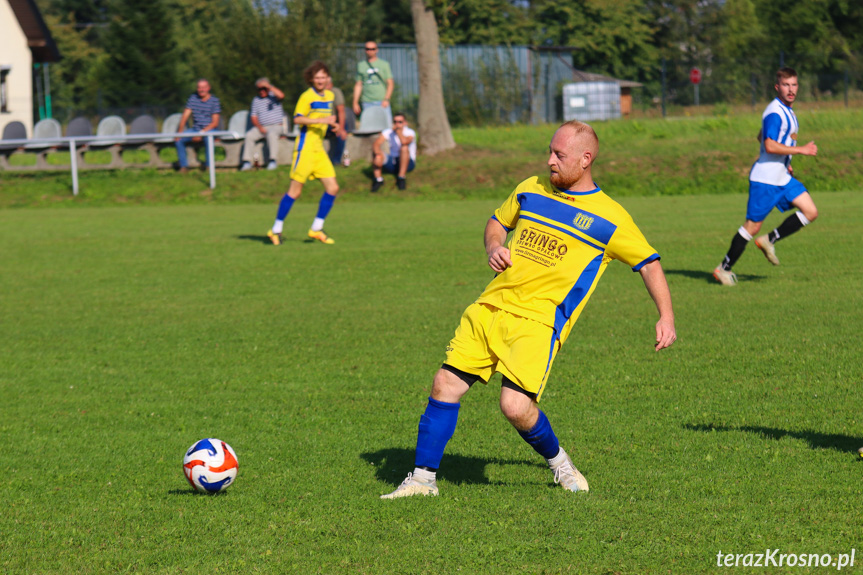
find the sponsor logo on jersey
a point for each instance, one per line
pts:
(540, 246)
(582, 222)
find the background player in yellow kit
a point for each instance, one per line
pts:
(564, 232)
(314, 113)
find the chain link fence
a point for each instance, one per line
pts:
(486, 85)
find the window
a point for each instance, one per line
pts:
(4, 92)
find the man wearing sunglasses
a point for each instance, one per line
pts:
(267, 117)
(402, 153)
(374, 86)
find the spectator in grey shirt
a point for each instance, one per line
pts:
(267, 117)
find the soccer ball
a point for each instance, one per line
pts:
(210, 465)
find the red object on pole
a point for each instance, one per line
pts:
(695, 76)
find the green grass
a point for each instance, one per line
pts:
(127, 333)
(682, 156)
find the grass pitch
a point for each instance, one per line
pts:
(129, 333)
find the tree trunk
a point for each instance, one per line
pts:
(436, 134)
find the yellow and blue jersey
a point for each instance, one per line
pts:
(560, 244)
(313, 105)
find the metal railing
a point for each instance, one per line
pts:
(74, 141)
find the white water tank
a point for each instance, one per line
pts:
(587, 101)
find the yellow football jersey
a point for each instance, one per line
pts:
(560, 244)
(313, 105)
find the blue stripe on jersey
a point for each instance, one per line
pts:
(589, 224)
(771, 128)
(562, 230)
(501, 224)
(300, 141)
(577, 294)
(646, 261)
(322, 105)
(571, 193)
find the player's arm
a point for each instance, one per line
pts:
(276, 92)
(358, 91)
(340, 121)
(306, 121)
(184, 119)
(257, 123)
(390, 86)
(774, 147)
(657, 287)
(498, 255)
(405, 140)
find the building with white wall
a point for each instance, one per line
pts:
(24, 41)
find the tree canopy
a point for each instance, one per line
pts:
(131, 51)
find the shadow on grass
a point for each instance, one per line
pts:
(261, 239)
(815, 439)
(708, 276)
(194, 492)
(394, 464)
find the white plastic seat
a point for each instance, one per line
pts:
(46, 129)
(171, 125)
(110, 126)
(238, 124)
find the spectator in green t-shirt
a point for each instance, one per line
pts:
(374, 85)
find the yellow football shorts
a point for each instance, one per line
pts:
(490, 340)
(309, 164)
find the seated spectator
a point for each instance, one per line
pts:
(402, 156)
(268, 118)
(205, 110)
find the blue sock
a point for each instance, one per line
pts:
(542, 437)
(437, 425)
(326, 205)
(284, 207)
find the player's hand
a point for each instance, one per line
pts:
(499, 259)
(665, 334)
(357, 110)
(809, 149)
(262, 130)
(332, 120)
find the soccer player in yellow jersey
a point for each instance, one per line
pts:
(314, 113)
(563, 231)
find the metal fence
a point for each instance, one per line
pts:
(498, 84)
(725, 85)
(525, 84)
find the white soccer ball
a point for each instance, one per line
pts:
(210, 465)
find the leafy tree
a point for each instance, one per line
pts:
(742, 50)
(611, 36)
(249, 41)
(385, 21)
(75, 78)
(494, 22)
(142, 56)
(809, 32)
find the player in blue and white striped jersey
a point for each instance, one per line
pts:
(771, 180)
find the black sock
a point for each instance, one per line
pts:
(738, 244)
(791, 224)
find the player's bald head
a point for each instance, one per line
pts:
(581, 137)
